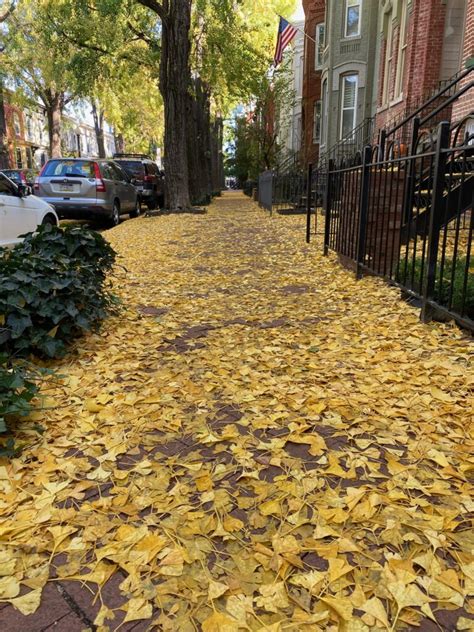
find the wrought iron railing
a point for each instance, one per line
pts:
(410, 219)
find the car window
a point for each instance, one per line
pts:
(106, 171)
(119, 173)
(152, 168)
(13, 175)
(6, 187)
(134, 168)
(70, 168)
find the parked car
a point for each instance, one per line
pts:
(21, 212)
(146, 176)
(21, 176)
(81, 188)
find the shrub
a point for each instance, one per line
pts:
(449, 283)
(53, 288)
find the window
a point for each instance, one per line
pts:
(352, 18)
(349, 105)
(29, 128)
(29, 158)
(19, 159)
(324, 108)
(16, 124)
(387, 74)
(402, 48)
(320, 30)
(317, 122)
(6, 188)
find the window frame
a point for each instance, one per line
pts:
(348, 5)
(402, 49)
(388, 61)
(319, 47)
(19, 153)
(353, 108)
(324, 111)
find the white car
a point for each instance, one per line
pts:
(21, 212)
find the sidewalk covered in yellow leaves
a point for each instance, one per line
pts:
(258, 442)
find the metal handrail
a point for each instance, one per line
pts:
(457, 78)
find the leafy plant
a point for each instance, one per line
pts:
(449, 283)
(53, 288)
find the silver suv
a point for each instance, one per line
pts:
(79, 188)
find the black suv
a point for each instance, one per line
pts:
(146, 176)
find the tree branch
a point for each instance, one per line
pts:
(156, 7)
(8, 12)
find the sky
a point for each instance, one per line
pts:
(299, 15)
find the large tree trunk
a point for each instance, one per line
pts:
(174, 86)
(54, 112)
(98, 115)
(199, 148)
(3, 134)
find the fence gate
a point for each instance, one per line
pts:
(265, 190)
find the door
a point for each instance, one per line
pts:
(69, 180)
(17, 215)
(127, 190)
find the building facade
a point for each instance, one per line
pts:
(347, 69)
(315, 23)
(24, 139)
(290, 116)
(420, 47)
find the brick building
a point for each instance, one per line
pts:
(420, 45)
(466, 106)
(315, 17)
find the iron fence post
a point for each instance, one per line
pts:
(411, 166)
(382, 141)
(436, 217)
(327, 208)
(308, 203)
(363, 209)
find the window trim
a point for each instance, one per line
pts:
(324, 111)
(349, 4)
(402, 49)
(19, 153)
(353, 108)
(388, 61)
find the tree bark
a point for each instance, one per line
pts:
(54, 111)
(175, 78)
(199, 150)
(3, 134)
(98, 116)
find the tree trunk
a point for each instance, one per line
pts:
(174, 86)
(54, 112)
(98, 115)
(3, 134)
(199, 150)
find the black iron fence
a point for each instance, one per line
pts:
(409, 219)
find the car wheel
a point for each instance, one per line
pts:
(137, 210)
(114, 219)
(49, 220)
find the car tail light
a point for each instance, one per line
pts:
(147, 178)
(23, 178)
(36, 185)
(99, 182)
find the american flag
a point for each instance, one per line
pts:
(286, 33)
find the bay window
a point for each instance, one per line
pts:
(348, 105)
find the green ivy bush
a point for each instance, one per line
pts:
(53, 288)
(18, 386)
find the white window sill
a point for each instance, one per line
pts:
(351, 38)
